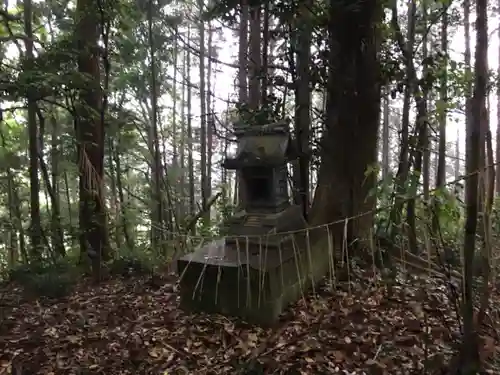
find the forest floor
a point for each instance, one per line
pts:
(131, 327)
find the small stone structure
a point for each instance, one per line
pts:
(260, 268)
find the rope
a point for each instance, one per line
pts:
(319, 226)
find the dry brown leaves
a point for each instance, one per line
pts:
(125, 327)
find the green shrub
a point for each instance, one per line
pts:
(130, 264)
(51, 285)
(55, 280)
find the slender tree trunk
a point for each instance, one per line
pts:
(56, 213)
(457, 155)
(189, 131)
(467, 59)
(175, 135)
(15, 211)
(210, 116)
(265, 53)
(470, 350)
(442, 114)
(255, 58)
(177, 173)
(303, 102)
(385, 136)
(119, 186)
(182, 142)
(497, 146)
(243, 65)
(12, 230)
(157, 197)
(243, 54)
(203, 121)
(57, 232)
(426, 152)
(114, 193)
(404, 164)
(443, 97)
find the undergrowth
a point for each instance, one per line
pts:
(57, 279)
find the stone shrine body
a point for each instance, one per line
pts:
(261, 166)
(260, 267)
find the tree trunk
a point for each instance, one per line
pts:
(157, 230)
(404, 162)
(57, 232)
(182, 143)
(189, 130)
(203, 120)
(36, 226)
(457, 155)
(303, 102)
(497, 146)
(265, 53)
(427, 143)
(243, 54)
(442, 115)
(352, 119)
(255, 58)
(243, 65)
(90, 139)
(175, 135)
(119, 185)
(209, 118)
(470, 350)
(443, 97)
(15, 211)
(385, 136)
(114, 194)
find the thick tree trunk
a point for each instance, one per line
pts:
(90, 139)
(36, 226)
(353, 119)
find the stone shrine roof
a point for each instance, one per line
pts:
(267, 145)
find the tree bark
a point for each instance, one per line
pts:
(90, 139)
(443, 97)
(36, 226)
(352, 119)
(470, 363)
(497, 146)
(255, 58)
(303, 103)
(203, 119)
(385, 136)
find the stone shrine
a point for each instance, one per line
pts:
(260, 268)
(261, 165)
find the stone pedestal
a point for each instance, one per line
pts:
(256, 284)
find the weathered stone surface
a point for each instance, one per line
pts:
(263, 228)
(255, 284)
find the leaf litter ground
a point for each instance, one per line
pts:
(131, 327)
